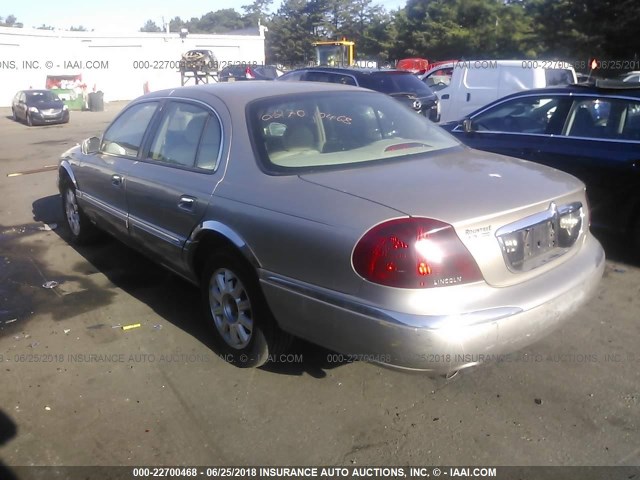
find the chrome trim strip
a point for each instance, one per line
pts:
(346, 302)
(160, 233)
(527, 222)
(538, 218)
(120, 214)
(552, 214)
(458, 128)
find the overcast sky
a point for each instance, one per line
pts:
(121, 15)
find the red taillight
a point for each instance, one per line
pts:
(414, 253)
(249, 74)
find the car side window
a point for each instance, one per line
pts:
(531, 115)
(343, 79)
(331, 78)
(210, 145)
(604, 118)
(292, 77)
(631, 122)
(439, 79)
(124, 136)
(318, 77)
(177, 139)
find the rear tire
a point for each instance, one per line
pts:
(80, 227)
(245, 331)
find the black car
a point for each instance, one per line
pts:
(247, 71)
(400, 84)
(590, 131)
(39, 107)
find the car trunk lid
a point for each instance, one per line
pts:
(489, 200)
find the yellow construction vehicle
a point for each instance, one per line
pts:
(335, 53)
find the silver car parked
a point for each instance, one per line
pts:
(335, 214)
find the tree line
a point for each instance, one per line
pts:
(438, 29)
(433, 29)
(12, 21)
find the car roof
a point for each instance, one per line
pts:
(606, 88)
(609, 87)
(354, 70)
(241, 93)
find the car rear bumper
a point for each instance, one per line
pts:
(437, 343)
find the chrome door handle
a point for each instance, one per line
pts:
(116, 180)
(186, 202)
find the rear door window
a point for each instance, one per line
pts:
(604, 118)
(180, 134)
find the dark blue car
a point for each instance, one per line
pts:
(592, 132)
(39, 107)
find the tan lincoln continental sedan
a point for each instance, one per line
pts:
(338, 215)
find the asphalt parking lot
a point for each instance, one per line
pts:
(158, 394)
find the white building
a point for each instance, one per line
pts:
(117, 64)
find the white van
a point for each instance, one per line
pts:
(466, 85)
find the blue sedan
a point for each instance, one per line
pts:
(592, 132)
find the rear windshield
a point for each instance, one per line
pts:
(395, 82)
(334, 129)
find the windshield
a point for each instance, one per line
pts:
(329, 129)
(330, 55)
(41, 96)
(395, 82)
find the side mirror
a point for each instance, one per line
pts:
(91, 145)
(467, 125)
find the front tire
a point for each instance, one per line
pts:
(14, 117)
(29, 120)
(79, 225)
(245, 331)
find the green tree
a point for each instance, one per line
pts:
(150, 26)
(257, 12)
(220, 21)
(176, 23)
(291, 32)
(10, 21)
(440, 29)
(586, 29)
